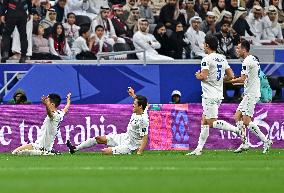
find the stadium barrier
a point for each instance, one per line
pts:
(107, 83)
(172, 127)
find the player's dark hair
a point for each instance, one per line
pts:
(99, 27)
(55, 98)
(212, 42)
(83, 30)
(142, 101)
(246, 45)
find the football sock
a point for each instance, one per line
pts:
(88, 143)
(255, 129)
(223, 125)
(204, 133)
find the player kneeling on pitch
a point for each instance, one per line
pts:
(135, 138)
(49, 128)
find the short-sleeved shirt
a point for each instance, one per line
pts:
(251, 68)
(217, 64)
(136, 129)
(48, 131)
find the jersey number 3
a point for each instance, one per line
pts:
(219, 71)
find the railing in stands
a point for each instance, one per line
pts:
(8, 82)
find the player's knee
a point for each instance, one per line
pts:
(246, 120)
(107, 151)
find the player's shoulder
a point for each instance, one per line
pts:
(251, 59)
(58, 113)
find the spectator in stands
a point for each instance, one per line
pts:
(71, 29)
(127, 8)
(171, 13)
(206, 6)
(59, 8)
(219, 8)
(19, 98)
(100, 43)
(280, 9)
(274, 32)
(16, 43)
(120, 27)
(37, 7)
(42, 7)
(176, 97)
(225, 16)
(103, 20)
(146, 12)
(40, 45)
(208, 25)
(58, 43)
(142, 40)
(82, 7)
(240, 24)
(190, 12)
(162, 37)
(257, 23)
(96, 5)
(232, 6)
(132, 21)
(196, 38)
(36, 16)
(157, 5)
(227, 40)
(83, 44)
(177, 40)
(49, 21)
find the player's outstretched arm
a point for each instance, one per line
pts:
(229, 75)
(238, 80)
(68, 103)
(143, 145)
(45, 101)
(131, 92)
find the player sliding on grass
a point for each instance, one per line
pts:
(250, 78)
(48, 131)
(214, 69)
(135, 138)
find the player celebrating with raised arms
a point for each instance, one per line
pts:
(49, 128)
(214, 69)
(250, 78)
(135, 138)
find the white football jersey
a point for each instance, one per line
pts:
(136, 129)
(217, 64)
(251, 68)
(48, 131)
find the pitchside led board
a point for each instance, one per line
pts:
(172, 127)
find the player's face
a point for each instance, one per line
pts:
(239, 51)
(136, 108)
(206, 48)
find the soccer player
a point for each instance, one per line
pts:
(250, 78)
(49, 128)
(214, 69)
(135, 138)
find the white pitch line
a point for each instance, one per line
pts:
(134, 168)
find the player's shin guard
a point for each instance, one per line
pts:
(204, 133)
(88, 143)
(255, 129)
(223, 125)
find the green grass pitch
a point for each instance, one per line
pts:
(155, 171)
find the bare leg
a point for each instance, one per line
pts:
(23, 147)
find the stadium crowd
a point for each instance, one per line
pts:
(165, 29)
